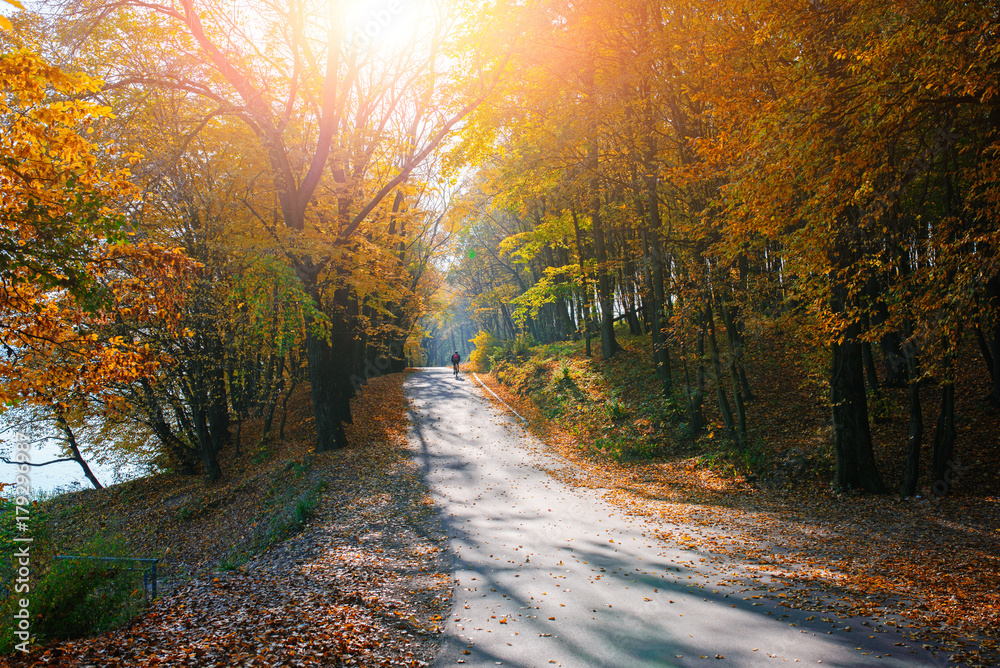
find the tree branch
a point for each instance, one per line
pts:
(54, 461)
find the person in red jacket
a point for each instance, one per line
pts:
(455, 359)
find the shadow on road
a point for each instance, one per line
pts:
(551, 575)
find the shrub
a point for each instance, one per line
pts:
(481, 356)
(74, 598)
(78, 598)
(514, 350)
(564, 373)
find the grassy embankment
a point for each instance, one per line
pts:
(927, 562)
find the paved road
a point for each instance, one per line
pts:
(552, 575)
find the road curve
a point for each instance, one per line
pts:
(549, 574)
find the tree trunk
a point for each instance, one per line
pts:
(209, 455)
(944, 442)
(609, 345)
(74, 448)
(218, 416)
(856, 468)
(325, 395)
(991, 349)
(734, 337)
(293, 381)
(272, 403)
(741, 389)
(630, 299)
(871, 373)
(697, 412)
(180, 450)
(661, 354)
(584, 283)
(912, 474)
(724, 408)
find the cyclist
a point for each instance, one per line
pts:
(455, 359)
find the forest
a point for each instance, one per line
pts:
(208, 208)
(204, 205)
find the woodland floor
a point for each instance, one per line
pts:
(364, 583)
(930, 564)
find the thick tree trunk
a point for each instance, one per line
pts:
(325, 393)
(325, 354)
(856, 468)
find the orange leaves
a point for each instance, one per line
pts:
(913, 563)
(69, 273)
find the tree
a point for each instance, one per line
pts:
(326, 111)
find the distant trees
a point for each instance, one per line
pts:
(684, 168)
(292, 163)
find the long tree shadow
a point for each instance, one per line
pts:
(596, 625)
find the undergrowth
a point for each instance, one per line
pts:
(99, 589)
(286, 513)
(617, 410)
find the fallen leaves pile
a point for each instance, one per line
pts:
(926, 564)
(364, 584)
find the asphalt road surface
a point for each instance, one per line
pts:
(549, 574)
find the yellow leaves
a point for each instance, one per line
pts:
(5, 23)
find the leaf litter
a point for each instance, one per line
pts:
(927, 565)
(365, 583)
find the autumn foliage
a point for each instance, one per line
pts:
(70, 269)
(687, 170)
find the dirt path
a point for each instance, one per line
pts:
(552, 574)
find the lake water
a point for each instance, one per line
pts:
(61, 477)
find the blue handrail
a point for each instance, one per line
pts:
(148, 573)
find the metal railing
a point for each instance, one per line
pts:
(148, 571)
